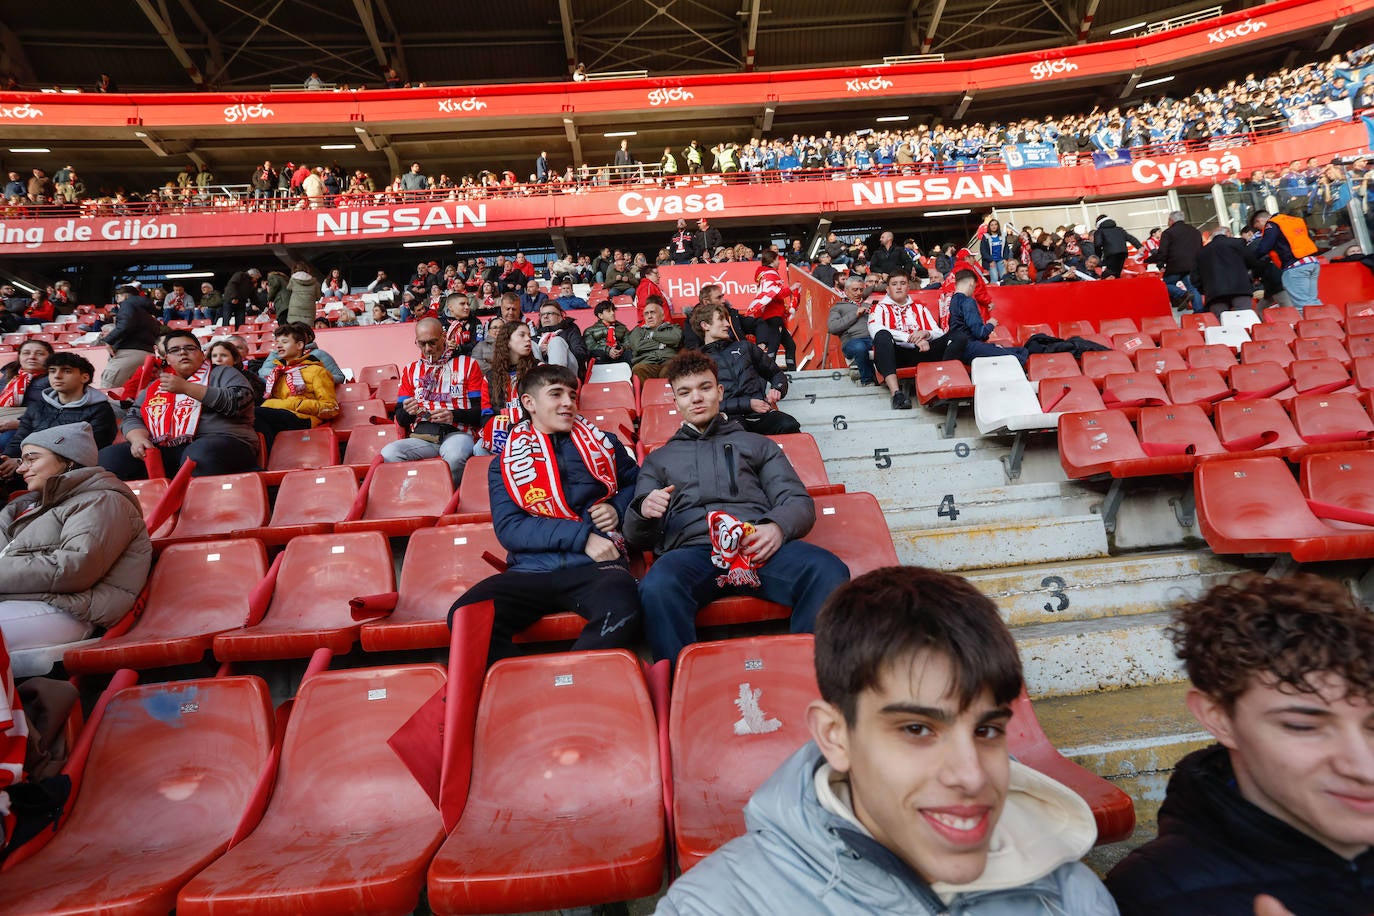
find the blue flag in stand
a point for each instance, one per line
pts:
(1369, 128)
(1030, 156)
(1106, 158)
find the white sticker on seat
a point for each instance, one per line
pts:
(337, 548)
(828, 510)
(753, 720)
(562, 680)
(459, 542)
(378, 693)
(212, 558)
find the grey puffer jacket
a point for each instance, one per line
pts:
(78, 544)
(803, 857)
(724, 468)
(303, 292)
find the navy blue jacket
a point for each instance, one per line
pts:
(536, 543)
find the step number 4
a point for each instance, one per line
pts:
(947, 509)
(881, 459)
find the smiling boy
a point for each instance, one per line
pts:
(906, 799)
(1282, 806)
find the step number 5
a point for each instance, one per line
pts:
(881, 459)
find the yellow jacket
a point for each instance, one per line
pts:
(317, 398)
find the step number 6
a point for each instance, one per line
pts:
(839, 422)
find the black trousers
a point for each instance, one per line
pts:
(271, 420)
(606, 595)
(889, 357)
(213, 455)
(232, 314)
(1112, 264)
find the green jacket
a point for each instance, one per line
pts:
(595, 339)
(654, 345)
(277, 294)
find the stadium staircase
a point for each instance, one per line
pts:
(1088, 609)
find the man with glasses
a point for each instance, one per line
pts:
(440, 403)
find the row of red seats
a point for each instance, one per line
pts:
(194, 795)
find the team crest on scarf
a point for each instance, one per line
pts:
(172, 418)
(530, 471)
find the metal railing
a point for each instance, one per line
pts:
(1177, 22)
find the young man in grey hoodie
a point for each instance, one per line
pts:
(906, 800)
(69, 398)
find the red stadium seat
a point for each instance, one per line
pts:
(1159, 360)
(1210, 356)
(1052, 365)
(1112, 808)
(1260, 351)
(1158, 325)
(401, 497)
(1114, 326)
(1318, 376)
(1196, 386)
(352, 392)
(150, 493)
(308, 502)
(1282, 331)
(387, 391)
(1181, 338)
(1069, 329)
(368, 443)
(1025, 332)
(358, 415)
(1281, 314)
(1259, 380)
(474, 495)
(440, 565)
(1069, 395)
(1331, 419)
(301, 448)
(580, 727)
(1356, 311)
(1362, 373)
(1254, 506)
(655, 391)
(318, 576)
(1133, 389)
(805, 457)
(1093, 443)
(944, 384)
(1197, 321)
(216, 506)
(657, 425)
(171, 630)
(171, 772)
(1180, 429)
(607, 395)
(1321, 348)
(1343, 479)
(720, 753)
(1132, 342)
(1320, 327)
(615, 420)
(372, 376)
(1098, 364)
(348, 829)
(1323, 312)
(1260, 425)
(1358, 345)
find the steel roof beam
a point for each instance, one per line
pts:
(162, 24)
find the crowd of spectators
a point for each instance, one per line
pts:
(1208, 118)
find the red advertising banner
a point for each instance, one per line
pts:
(1072, 65)
(650, 204)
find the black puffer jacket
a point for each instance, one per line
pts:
(745, 372)
(47, 411)
(1216, 852)
(1178, 249)
(1110, 239)
(723, 468)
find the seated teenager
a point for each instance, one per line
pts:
(459, 324)
(904, 334)
(513, 357)
(753, 384)
(314, 350)
(906, 799)
(713, 465)
(74, 553)
(651, 345)
(607, 339)
(233, 351)
(1278, 816)
(69, 398)
(968, 331)
(440, 402)
(560, 340)
(558, 494)
(24, 380)
(193, 410)
(300, 390)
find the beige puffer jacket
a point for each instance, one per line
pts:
(83, 548)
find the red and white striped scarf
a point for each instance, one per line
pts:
(771, 288)
(13, 395)
(498, 427)
(294, 376)
(172, 418)
(530, 468)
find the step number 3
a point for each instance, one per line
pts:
(881, 459)
(1055, 585)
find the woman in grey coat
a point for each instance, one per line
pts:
(74, 552)
(303, 291)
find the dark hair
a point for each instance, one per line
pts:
(544, 375)
(768, 257)
(233, 351)
(1280, 631)
(298, 331)
(72, 361)
(652, 299)
(605, 306)
(42, 343)
(965, 274)
(892, 614)
(689, 362)
(502, 365)
(704, 316)
(705, 288)
(170, 335)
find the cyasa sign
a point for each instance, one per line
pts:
(650, 206)
(1172, 171)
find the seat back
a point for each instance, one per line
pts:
(303, 448)
(409, 489)
(655, 391)
(1052, 365)
(1210, 356)
(215, 506)
(738, 710)
(1159, 360)
(367, 443)
(223, 575)
(442, 563)
(1259, 424)
(474, 494)
(658, 425)
(321, 573)
(1319, 327)
(1097, 364)
(359, 413)
(352, 392)
(603, 395)
(1179, 429)
(852, 527)
(1071, 394)
(310, 497)
(1330, 418)
(149, 494)
(1239, 318)
(337, 771)
(1091, 442)
(805, 457)
(1340, 479)
(173, 766)
(372, 375)
(615, 420)
(610, 372)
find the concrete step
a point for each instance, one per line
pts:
(1002, 543)
(1119, 587)
(1010, 502)
(1107, 653)
(911, 480)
